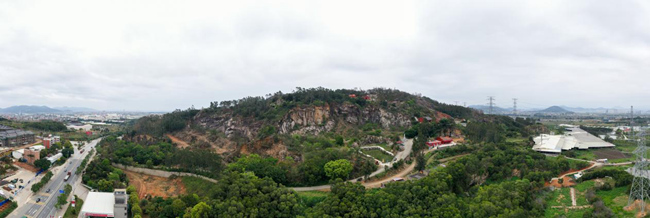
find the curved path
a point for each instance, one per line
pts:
(376, 184)
(408, 147)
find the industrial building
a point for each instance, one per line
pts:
(10, 137)
(573, 138)
(105, 204)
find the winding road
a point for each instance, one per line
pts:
(408, 148)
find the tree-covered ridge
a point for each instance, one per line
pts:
(271, 108)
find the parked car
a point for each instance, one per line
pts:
(38, 200)
(48, 191)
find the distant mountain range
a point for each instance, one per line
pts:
(555, 109)
(495, 109)
(32, 109)
(75, 109)
(500, 110)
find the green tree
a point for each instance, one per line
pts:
(421, 162)
(43, 164)
(200, 210)
(67, 152)
(136, 210)
(130, 189)
(149, 164)
(339, 140)
(338, 169)
(178, 206)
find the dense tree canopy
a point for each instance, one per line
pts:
(47, 125)
(338, 169)
(162, 154)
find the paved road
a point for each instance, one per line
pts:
(46, 207)
(408, 147)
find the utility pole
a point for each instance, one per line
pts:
(464, 104)
(456, 103)
(491, 104)
(515, 106)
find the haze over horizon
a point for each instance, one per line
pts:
(159, 56)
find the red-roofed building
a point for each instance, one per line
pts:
(367, 97)
(352, 96)
(434, 143)
(445, 140)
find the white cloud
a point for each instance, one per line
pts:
(161, 55)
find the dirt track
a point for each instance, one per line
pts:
(180, 143)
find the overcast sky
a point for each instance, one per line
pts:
(161, 55)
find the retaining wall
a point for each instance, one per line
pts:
(160, 173)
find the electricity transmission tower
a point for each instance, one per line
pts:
(641, 183)
(491, 104)
(514, 111)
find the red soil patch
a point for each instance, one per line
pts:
(155, 186)
(568, 181)
(633, 207)
(180, 143)
(26, 166)
(573, 171)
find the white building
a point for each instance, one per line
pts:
(17, 154)
(573, 138)
(37, 147)
(105, 204)
(85, 127)
(55, 157)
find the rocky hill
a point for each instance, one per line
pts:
(270, 125)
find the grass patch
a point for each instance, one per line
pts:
(385, 146)
(379, 155)
(621, 160)
(616, 199)
(198, 186)
(585, 155)
(553, 212)
(581, 190)
(517, 140)
(560, 197)
(583, 186)
(311, 198)
(625, 146)
(74, 212)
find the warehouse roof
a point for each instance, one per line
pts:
(99, 203)
(576, 138)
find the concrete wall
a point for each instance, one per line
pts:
(160, 173)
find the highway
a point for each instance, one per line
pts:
(46, 207)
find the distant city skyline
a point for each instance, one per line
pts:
(161, 56)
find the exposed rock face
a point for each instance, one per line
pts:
(307, 120)
(304, 120)
(310, 120)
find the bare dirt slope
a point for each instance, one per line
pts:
(180, 143)
(155, 186)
